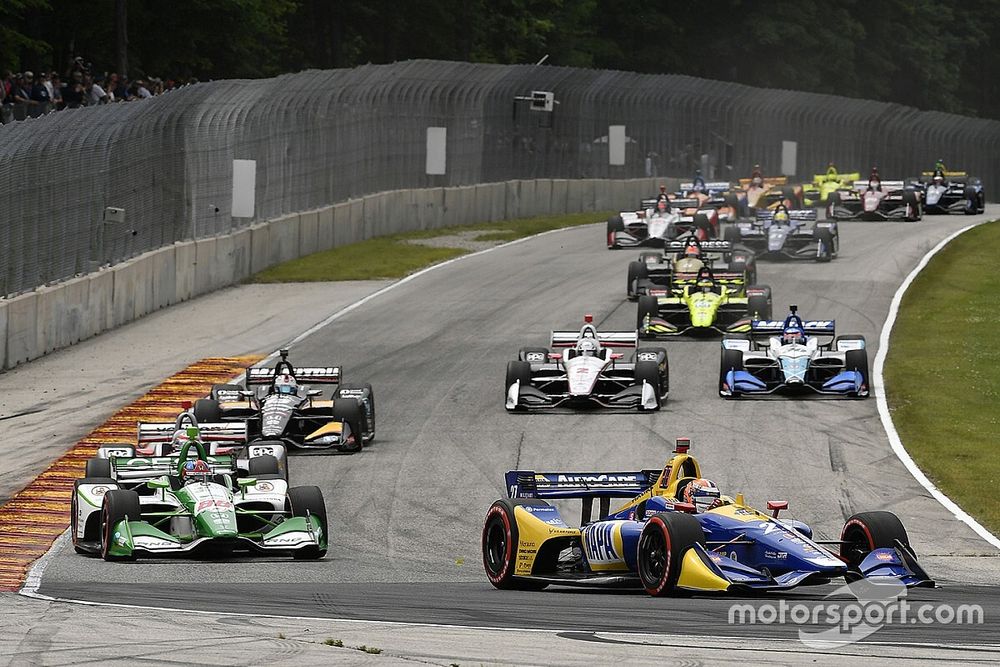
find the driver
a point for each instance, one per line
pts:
(703, 494)
(831, 172)
(196, 471)
(780, 215)
(757, 176)
(286, 384)
(698, 185)
(587, 347)
(662, 207)
(793, 336)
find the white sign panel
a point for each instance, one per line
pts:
(244, 187)
(616, 145)
(789, 149)
(437, 143)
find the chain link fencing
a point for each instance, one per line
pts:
(320, 137)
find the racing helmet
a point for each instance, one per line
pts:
(196, 471)
(286, 384)
(587, 347)
(831, 171)
(703, 494)
(793, 336)
(874, 183)
(938, 178)
(781, 216)
(662, 206)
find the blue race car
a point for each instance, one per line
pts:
(795, 356)
(676, 532)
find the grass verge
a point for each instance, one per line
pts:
(941, 372)
(389, 257)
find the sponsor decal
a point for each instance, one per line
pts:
(264, 487)
(621, 479)
(98, 490)
(776, 555)
(220, 505)
(292, 538)
(599, 543)
(646, 356)
(884, 556)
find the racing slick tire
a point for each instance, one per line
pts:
(500, 542)
(759, 305)
(866, 531)
(91, 531)
(264, 467)
(636, 271)
(304, 501)
(649, 371)
(658, 355)
(703, 224)
(825, 237)
(218, 390)
(98, 468)
(788, 192)
(535, 355)
(351, 411)
(732, 234)
(972, 198)
(517, 370)
(648, 305)
(118, 504)
(858, 360)
(662, 544)
(833, 199)
(910, 198)
(731, 360)
(351, 391)
(744, 262)
(207, 411)
(615, 224)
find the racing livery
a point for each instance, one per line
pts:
(702, 303)
(661, 220)
(817, 193)
(587, 373)
(875, 200)
(781, 233)
(193, 503)
(659, 274)
(278, 409)
(951, 192)
(664, 544)
(793, 356)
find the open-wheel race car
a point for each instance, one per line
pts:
(583, 370)
(661, 273)
(661, 220)
(784, 233)
(876, 200)
(676, 532)
(951, 192)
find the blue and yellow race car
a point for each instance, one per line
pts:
(676, 532)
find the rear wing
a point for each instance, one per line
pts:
(768, 182)
(531, 484)
(948, 174)
(819, 179)
(605, 338)
(324, 375)
(801, 215)
(706, 246)
(679, 202)
(226, 433)
(713, 186)
(809, 327)
(886, 185)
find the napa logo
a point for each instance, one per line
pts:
(602, 542)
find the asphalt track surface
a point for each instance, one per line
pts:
(406, 514)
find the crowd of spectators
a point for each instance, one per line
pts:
(29, 95)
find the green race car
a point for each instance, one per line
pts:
(190, 503)
(818, 192)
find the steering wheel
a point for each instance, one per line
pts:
(183, 456)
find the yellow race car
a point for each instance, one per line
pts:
(818, 192)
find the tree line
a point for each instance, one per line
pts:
(939, 55)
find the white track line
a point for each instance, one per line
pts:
(883, 406)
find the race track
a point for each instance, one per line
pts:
(409, 509)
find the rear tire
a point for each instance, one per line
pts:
(351, 411)
(732, 360)
(648, 305)
(615, 224)
(500, 542)
(866, 531)
(98, 468)
(207, 411)
(759, 305)
(662, 544)
(636, 271)
(304, 501)
(825, 237)
(118, 505)
(733, 235)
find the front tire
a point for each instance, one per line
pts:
(732, 360)
(636, 271)
(648, 306)
(857, 360)
(308, 501)
(500, 544)
(662, 544)
(119, 504)
(759, 305)
(825, 251)
(866, 531)
(615, 225)
(350, 410)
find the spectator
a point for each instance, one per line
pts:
(41, 94)
(73, 92)
(56, 86)
(141, 91)
(95, 94)
(113, 87)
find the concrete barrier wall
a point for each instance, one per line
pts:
(60, 315)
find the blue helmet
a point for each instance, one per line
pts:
(793, 336)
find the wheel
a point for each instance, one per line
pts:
(732, 360)
(971, 206)
(500, 544)
(833, 199)
(533, 355)
(92, 530)
(98, 468)
(825, 251)
(365, 395)
(207, 411)
(649, 371)
(305, 501)
(910, 198)
(759, 305)
(518, 370)
(866, 531)
(615, 224)
(350, 410)
(732, 234)
(704, 224)
(857, 360)
(264, 467)
(636, 271)
(119, 504)
(648, 306)
(227, 392)
(662, 544)
(658, 355)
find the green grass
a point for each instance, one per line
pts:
(389, 257)
(943, 372)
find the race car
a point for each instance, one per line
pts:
(769, 192)
(817, 193)
(662, 220)
(951, 192)
(702, 303)
(193, 503)
(659, 274)
(676, 533)
(278, 409)
(587, 373)
(728, 201)
(875, 199)
(795, 356)
(781, 233)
